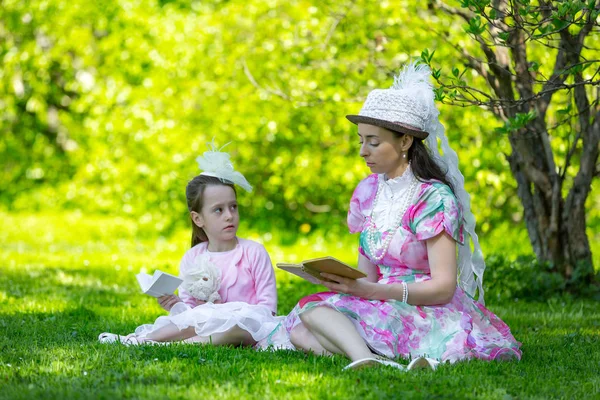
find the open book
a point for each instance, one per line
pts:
(311, 269)
(159, 284)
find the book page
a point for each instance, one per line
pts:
(298, 270)
(144, 280)
(162, 284)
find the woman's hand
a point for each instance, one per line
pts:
(355, 287)
(167, 302)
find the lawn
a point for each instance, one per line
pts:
(65, 278)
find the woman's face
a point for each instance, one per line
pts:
(381, 149)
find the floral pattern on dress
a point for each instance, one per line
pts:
(461, 329)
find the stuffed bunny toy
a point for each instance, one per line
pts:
(202, 280)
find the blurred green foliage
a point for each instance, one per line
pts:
(524, 278)
(104, 106)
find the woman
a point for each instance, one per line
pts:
(410, 222)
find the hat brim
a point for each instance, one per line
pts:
(392, 126)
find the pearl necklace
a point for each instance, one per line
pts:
(371, 230)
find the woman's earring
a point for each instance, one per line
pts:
(403, 155)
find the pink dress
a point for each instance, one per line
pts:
(248, 294)
(461, 329)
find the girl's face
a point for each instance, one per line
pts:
(219, 215)
(382, 150)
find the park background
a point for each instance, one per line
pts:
(104, 107)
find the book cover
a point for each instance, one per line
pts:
(311, 270)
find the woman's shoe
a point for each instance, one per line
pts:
(423, 363)
(363, 362)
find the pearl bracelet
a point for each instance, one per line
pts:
(404, 292)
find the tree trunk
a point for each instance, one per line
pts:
(538, 203)
(566, 247)
(556, 226)
(579, 265)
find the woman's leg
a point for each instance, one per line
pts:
(336, 333)
(304, 340)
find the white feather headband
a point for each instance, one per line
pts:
(217, 164)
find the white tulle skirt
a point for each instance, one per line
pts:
(208, 319)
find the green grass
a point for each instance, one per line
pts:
(65, 278)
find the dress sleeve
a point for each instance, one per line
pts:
(264, 279)
(361, 200)
(437, 210)
(183, 266)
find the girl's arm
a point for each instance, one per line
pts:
(264, 280)
(440, 289)
(167, 302)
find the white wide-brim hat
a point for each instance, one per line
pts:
(392, 126)
(406, 107)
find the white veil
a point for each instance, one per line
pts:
(470, 262)
(414, 82)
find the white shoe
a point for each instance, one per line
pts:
(106, 337)
(363, 362)
(127, 340)
(423, 363)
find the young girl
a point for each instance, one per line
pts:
(248, 298)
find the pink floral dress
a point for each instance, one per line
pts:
(461, 329)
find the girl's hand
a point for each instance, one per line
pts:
(355, 287)
(167, 302)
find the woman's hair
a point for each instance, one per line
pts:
(194, 194)
(423, 165)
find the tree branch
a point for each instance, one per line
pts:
(569, 117)
(583, 105)
(508, 104)
(586, 29)
(588, 168)
(258, 86)
(336, 22)
(519, 53)
(569, 49)
(539, 179)
(570, 154)
(497, 62)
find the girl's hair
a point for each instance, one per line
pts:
(194, 192)
(423, 165)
